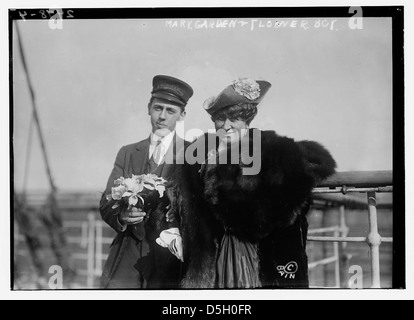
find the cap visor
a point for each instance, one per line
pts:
(168, 97)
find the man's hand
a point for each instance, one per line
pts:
(131, 216)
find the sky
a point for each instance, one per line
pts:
(92, 80)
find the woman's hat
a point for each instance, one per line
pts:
(243, 90)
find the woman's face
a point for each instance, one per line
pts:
(233, 128)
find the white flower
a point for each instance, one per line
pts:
(119, 181)
(161, 190)
(247, 88)
(153, 182)
(118, 192)
(134, 185)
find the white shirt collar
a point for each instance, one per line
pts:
(165, 142)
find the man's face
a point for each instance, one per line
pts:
(164, 116)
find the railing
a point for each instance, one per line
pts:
(93, 240)
(334, 192)
(84, 230)
(88, 241)
(370, 182)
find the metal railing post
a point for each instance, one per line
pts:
(91, 251)
(343, 256)
(325, 248)
(374, 240)
(337, 263)
(98, 255)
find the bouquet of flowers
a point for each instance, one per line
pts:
(133, 191)
(142, 191)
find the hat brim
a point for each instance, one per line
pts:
(168, 97)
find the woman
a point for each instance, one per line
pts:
(247, 230)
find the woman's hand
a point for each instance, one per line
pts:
(170, 215)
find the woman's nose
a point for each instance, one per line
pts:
(227, 124)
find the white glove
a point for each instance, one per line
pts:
(171, 239)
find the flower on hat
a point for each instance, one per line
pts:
(247, 87)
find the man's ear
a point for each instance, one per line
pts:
(182, 115)
(149, 109)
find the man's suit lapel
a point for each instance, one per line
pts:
(139, 158)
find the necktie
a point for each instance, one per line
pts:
(157, 152)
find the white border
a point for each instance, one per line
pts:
(169, 296)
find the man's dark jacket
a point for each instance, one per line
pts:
(158, 267)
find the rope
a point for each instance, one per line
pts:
(35, 114)
(28, 154)
(51, 216)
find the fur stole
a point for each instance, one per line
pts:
(253, 207)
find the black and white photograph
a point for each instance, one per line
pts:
(179, 150)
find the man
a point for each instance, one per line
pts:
(135, 260)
